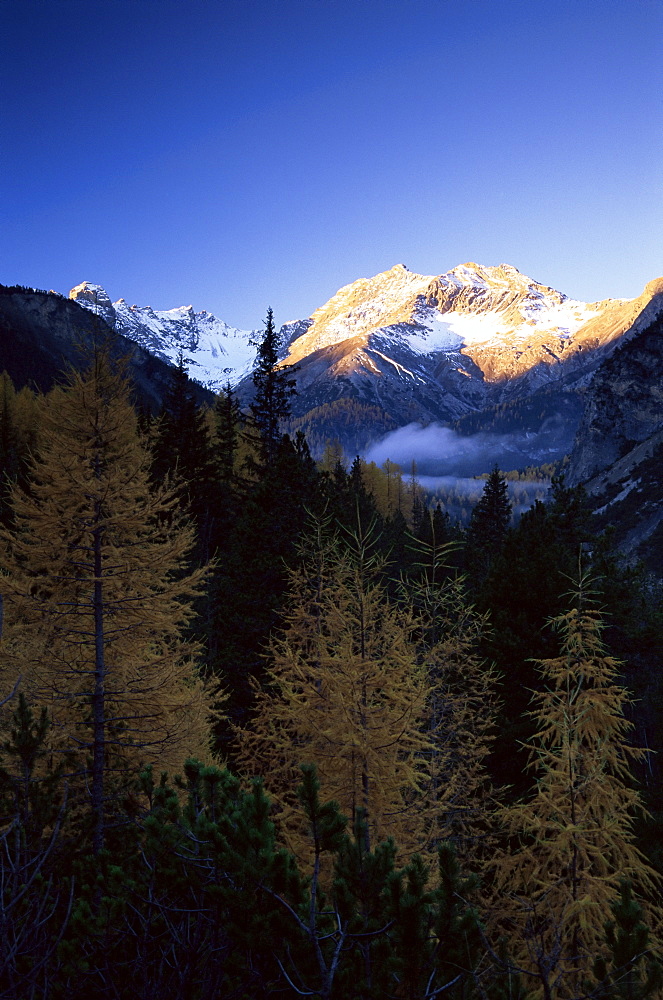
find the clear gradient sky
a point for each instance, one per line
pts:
(235, 154)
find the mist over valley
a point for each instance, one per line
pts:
(440, 452)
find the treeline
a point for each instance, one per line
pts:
(533, 473)
(522, 414)
(266, 724)
(356, 424)
(25, 290)
(458, 496)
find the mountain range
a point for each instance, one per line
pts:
(489, 353)
(478, 348)
(215, 353)
(42, 334)
(421, 347)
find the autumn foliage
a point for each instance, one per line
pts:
(254, 712)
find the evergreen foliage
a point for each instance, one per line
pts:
(362, 673)
(182, 452)
(488, 526)
(274, 387)
(35, 904)
(524, 588)
(228, 421)
(248, 585)
(355, 424)
(356, 504)
(632, 973)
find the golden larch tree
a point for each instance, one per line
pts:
(386, 486)
(575, 835)
(343, 691)
(461, 704)
(96, 596)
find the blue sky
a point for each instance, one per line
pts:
(236, 154)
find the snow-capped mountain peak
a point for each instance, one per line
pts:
(436, 347)
(214, 352)
(96, 299)
(471, 304)
(418, 346)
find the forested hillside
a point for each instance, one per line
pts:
(272, 727)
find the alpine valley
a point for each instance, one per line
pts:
(275, 726)
(485, 351)
(407, 347)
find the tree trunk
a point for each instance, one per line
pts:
(99, 695)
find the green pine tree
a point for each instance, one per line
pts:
(182, 451)
(631, 973)
(274, 388)
(488, 525)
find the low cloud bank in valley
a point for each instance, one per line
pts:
(446, 461)
(441, 452)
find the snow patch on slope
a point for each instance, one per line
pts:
(452, 331)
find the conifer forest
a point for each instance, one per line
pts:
(272, 727)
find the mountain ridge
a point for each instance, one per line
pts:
(43, 334)
(476, 313)
(215, 352)
(410, 347)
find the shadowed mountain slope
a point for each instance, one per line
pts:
(42, 334)
(618, 451)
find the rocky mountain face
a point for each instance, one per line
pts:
(417, 347)
(43, 334)
(624, 404)
(459, 347)
(499, 357)
(435, 348)
(215, 353)
(404, 347)
(618, 451)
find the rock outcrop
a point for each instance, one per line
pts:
(624, 404)
(95, 298)
(618, 451)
